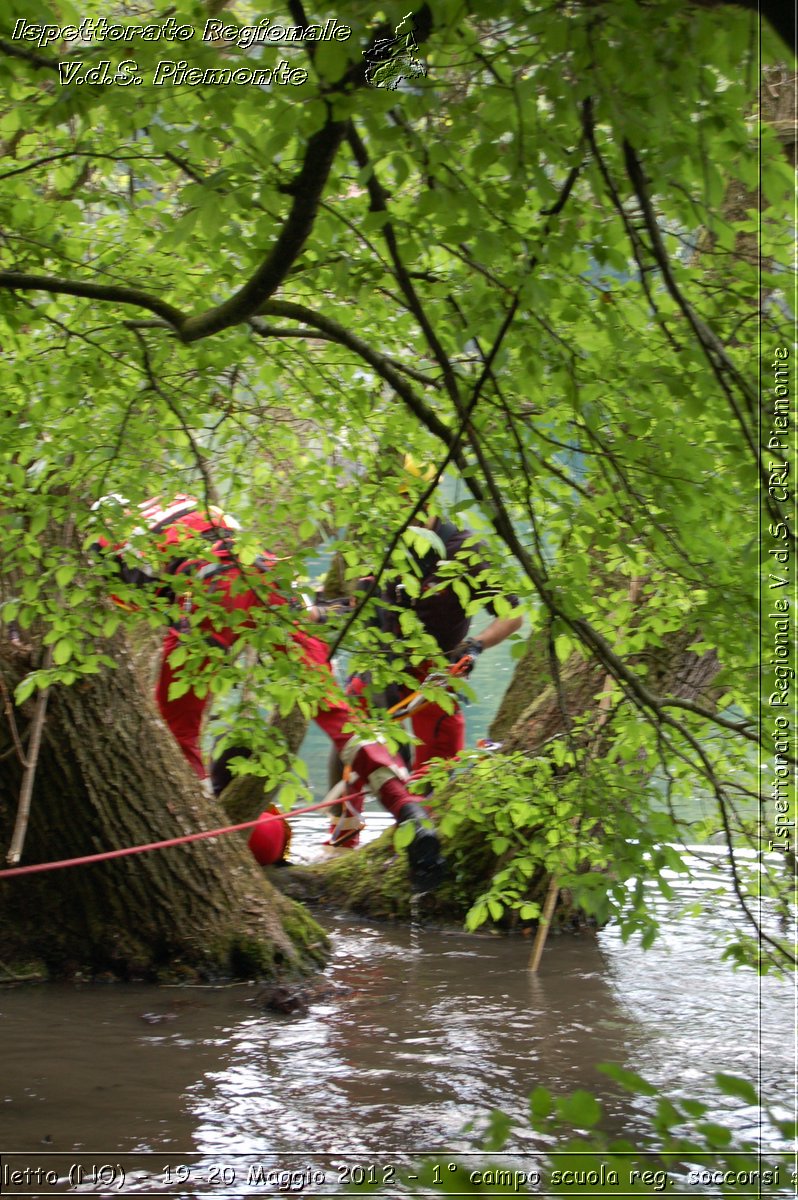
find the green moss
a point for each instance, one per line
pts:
(261, 958)
(175, 973)
(306, 934)
(255, 958)
(24, 971)
(372, 881)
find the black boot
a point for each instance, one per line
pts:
(428, 867)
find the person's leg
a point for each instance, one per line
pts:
(374, 765)
(184, 714)
(374, 760)
(346, 820)
(440, 734)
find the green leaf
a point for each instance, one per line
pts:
(24, 689)
(178, 688)
(403, 835)
(563, 647)
(629, 1080)
(62, 651)
(65, 574)
(541, 1104)
(498, 1131)
(178, 656)
(477, 915)
(716, 1135)
(110, 625)
(422, 540)
(734, 1085)
(694, 1108)
(38, 522)
(580, 1109)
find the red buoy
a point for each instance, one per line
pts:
(270, 837)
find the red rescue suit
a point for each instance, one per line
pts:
(440, 734)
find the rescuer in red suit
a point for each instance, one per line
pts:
(195, 545)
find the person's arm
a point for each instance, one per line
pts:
(471, 647)
(319, 612)
(499, 629)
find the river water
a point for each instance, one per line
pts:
(187, 1090)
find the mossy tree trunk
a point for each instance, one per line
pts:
(534, 709)
(109, 775)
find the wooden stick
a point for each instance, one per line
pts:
(26, 791)
(34, 746)
(544, 923)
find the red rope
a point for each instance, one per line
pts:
(178, 841)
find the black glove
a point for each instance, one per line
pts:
(469, 649)
(325, 608)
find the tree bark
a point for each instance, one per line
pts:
(520, 725)
(109, 776)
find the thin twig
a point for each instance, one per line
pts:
(8, 708)
(28, 779)
(34, 747)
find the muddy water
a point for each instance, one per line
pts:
(428, 1032)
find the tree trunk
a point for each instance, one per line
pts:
(245, 798)
(520, 725)
(109, 776)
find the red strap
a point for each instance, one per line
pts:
(178, 841)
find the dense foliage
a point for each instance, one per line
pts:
(537, 262)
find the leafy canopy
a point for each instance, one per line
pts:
(522, 265)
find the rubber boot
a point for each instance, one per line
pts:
(428, 867)
(372, 762)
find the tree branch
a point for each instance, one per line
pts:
(384, 366)
(245, 303)
(712, 346)
(92, 154)
(20, 281)
(36, 60)
(378, 203)
(335, 333)
(307, 190)
(211, 494)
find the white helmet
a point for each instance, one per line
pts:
(113, 499)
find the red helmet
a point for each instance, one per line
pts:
(270, 838)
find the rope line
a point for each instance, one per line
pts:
(177, 841)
